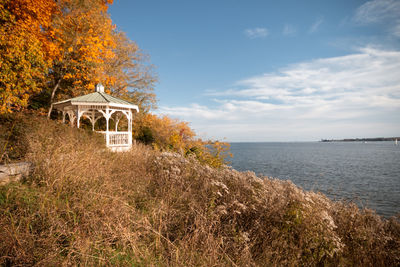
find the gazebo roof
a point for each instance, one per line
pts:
(96, 98)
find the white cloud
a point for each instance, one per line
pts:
(289, 30)
(377, 10)
(196, 111)
(337, 97)
(380, 11)
(256, 33)
(396, 29)
(314, 28)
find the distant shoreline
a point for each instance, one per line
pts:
(376, 139)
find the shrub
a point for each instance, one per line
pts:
(13, 141)
(145, 135)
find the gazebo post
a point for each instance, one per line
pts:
(107, 133)
(93, 121)
(71, 116)
(130, 127)
(78, 117)
(130, 121)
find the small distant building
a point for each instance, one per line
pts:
(99, 105)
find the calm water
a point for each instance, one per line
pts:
(368, 173)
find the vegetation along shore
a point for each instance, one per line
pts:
(85, 205)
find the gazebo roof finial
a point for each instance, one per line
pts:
(99, 88)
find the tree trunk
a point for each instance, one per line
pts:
(53, 93)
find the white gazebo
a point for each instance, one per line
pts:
(101, 105)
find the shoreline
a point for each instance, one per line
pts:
(375, 139)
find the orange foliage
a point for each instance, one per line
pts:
(83, 34)
(168, 134)
(52, 50)
(25, 49)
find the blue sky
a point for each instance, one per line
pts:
(272, 70)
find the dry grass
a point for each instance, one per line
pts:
(86, 206)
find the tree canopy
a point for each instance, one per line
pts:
(26, 50)
(51, 50)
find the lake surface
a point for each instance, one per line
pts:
(367, 173)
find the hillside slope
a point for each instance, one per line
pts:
(84, 205)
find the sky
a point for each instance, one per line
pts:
(268, 71)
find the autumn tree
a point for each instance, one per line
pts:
(84, 37)
(167, 133)
(26, 50)
(133, 78)
(62, 49)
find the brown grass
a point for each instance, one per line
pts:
(84, 205)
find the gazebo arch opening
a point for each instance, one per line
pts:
(100, 125)
(111, 116)
(85, 123)
(120, 122)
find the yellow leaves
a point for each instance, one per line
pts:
(34, 17)
(25, 51)
(175, 140)
(68, 76)
(84, 34)
(167, 132)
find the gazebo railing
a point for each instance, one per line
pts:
(117, 138)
